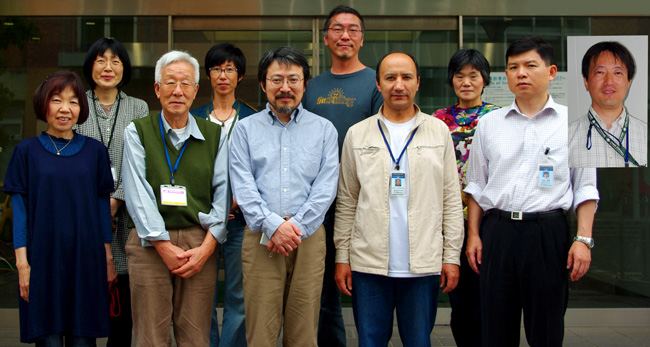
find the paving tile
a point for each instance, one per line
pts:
(640, 335)
(603, 336)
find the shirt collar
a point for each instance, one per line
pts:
(550, 105)
(294, 115)
(419, 115)
(620, 121)
(192, 127)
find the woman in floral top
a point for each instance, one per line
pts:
(468, 73)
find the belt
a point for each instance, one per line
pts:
(523, 216)
(286, 218)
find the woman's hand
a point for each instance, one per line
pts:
(110, 266)
(24, 271)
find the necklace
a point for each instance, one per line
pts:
(58, 151)
(223, 121)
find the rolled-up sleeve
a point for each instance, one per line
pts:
(584, 185)
(477, 166)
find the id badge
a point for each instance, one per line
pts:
(398, 183)
(114, 173)
(545, 176)
(173, 195)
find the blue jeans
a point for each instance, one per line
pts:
(233, 331)
(376, 297)
(56, 340)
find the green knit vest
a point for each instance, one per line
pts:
(195, 170)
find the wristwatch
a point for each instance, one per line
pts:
(586, 240)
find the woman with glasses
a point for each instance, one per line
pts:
(60, 183)
(225, 66)
(107, 69)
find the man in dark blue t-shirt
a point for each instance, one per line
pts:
(345, 94)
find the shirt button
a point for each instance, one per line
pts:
(285, 169)
(284, 148)
(285, 190)
(285, 212)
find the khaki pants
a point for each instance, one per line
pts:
(159, 297)
(276, 285)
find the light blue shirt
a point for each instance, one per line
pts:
(141, 200)
(282, 170)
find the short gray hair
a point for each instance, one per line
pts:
(172, 57)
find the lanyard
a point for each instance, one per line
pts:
(234, 120)
(99, 129)
(472, 117)
(169, 163)
(622, 151)
(390, 151)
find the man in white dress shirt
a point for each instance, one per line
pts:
(518, 176)
(608, 136)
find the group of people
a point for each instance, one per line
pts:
(341, 184)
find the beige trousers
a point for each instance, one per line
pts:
(159, 297)
(275, 285)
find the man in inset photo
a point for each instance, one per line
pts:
(608, 135)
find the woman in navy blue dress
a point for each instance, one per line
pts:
(60, 183)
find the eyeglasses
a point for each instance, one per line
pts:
(278, 82)
(227, 70)
(103, 62)
(338, 31)
(186, 86)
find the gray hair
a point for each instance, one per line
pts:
(172, 57)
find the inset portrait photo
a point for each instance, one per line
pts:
(608, 101)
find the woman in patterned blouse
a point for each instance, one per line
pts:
(468, 73)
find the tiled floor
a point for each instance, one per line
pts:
(574, 336)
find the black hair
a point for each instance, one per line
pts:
(56, 83)
(417, 69)
(224, 52)
(343, 9)
(283, 55)
(529, 43)
(97, 49)
(619, 51)
(470, 57)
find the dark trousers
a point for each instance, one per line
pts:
(524, 267)
(466, 305)
(331, 328)
(122, 325)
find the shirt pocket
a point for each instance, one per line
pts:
(429, 158)
(370, 161)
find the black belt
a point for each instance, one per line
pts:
(523, 216)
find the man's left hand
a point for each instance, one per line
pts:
(449, 277)
(196, 258)
(579, 259)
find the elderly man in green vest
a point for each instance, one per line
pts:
(175, 184)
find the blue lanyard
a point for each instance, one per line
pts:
(169, 162)
(390, 151)
(622, 151)
(472, 117)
